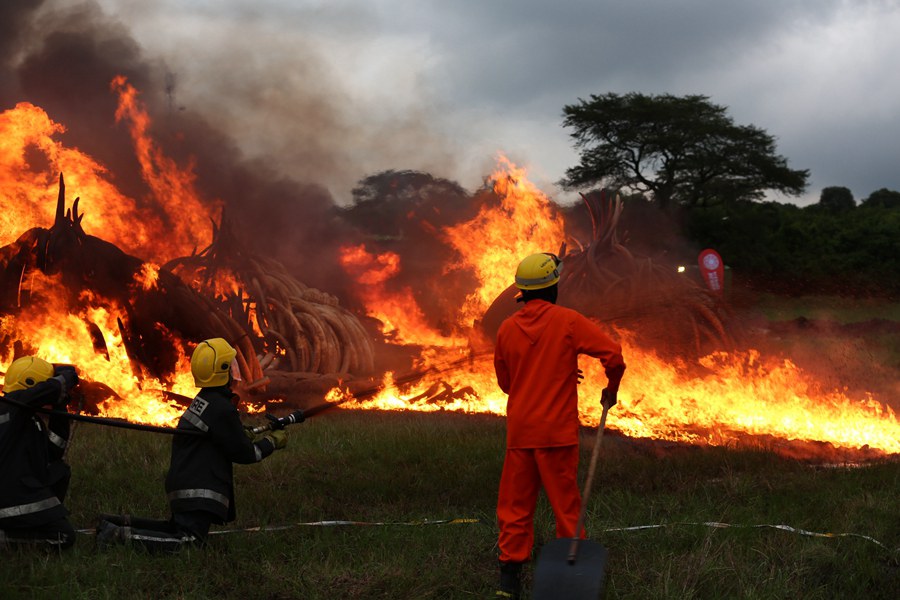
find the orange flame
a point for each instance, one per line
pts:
(30, 157)
(523, 224)
(179, 223)
(745, 394)
(402, 319)
(64, 337)
(148, 277)
(185, 217)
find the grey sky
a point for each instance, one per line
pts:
(332, 91)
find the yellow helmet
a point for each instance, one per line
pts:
(538, 271)
(26, 372)
(211, 362)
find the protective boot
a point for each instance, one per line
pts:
(110, 534)
(510, 581)
(120, 520)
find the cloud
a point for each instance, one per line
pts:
(331, 91)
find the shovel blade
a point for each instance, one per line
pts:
(556, 579)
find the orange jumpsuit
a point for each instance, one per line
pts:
(536, 361)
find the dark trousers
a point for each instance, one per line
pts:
(58, 535)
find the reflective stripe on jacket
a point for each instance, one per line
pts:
(201, 473)
(31, 458)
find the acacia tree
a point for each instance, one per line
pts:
(678, 150)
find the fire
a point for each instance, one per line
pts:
(745, 394)
(148, 277)
(523, 223)
(402, 319)
(494, 242)
(185, 218)
(62, 335)
(68, 330)
(31, 158)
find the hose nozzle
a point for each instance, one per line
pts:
(280, 422)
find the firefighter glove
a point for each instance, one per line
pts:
(278, 437)
(608, 398)
(68, 374)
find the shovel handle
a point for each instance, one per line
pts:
(573, 549)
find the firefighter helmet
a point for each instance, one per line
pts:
(26, 372)
(538, 271)
(211, 362)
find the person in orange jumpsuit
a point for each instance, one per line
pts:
(536, 362)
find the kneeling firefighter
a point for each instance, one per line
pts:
(34, 477)
(200, 481)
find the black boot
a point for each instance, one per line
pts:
(510, 581)
(110, 534)
(120, 520)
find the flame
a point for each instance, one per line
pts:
(178, 223)
(148, 276)
(185, 216)
(402, 319)
(744, 394)
(524, 223)
(62, 335)
(171, 222)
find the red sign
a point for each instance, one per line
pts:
(713, 269)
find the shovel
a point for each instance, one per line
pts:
(574, 569)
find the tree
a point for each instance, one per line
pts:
(787, 249)
(390, 203)
(836, 199)
(883, 198)
(680, 150)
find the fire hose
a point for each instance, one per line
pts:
(100, 420)
(298, 416)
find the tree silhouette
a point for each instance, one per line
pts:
(836, 199)
(679, 150)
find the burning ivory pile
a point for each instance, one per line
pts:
(283, 330)
(604, 279)
(304, 330)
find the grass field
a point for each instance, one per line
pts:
(409, 468)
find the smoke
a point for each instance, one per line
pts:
(272, 127)
(856, 358)
(270, 136)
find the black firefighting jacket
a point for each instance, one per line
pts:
(201, 474)
(31, 453)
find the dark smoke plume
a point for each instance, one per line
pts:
(64, 60)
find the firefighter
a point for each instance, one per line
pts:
(200, 481)
(536, 363)
(34, 476)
